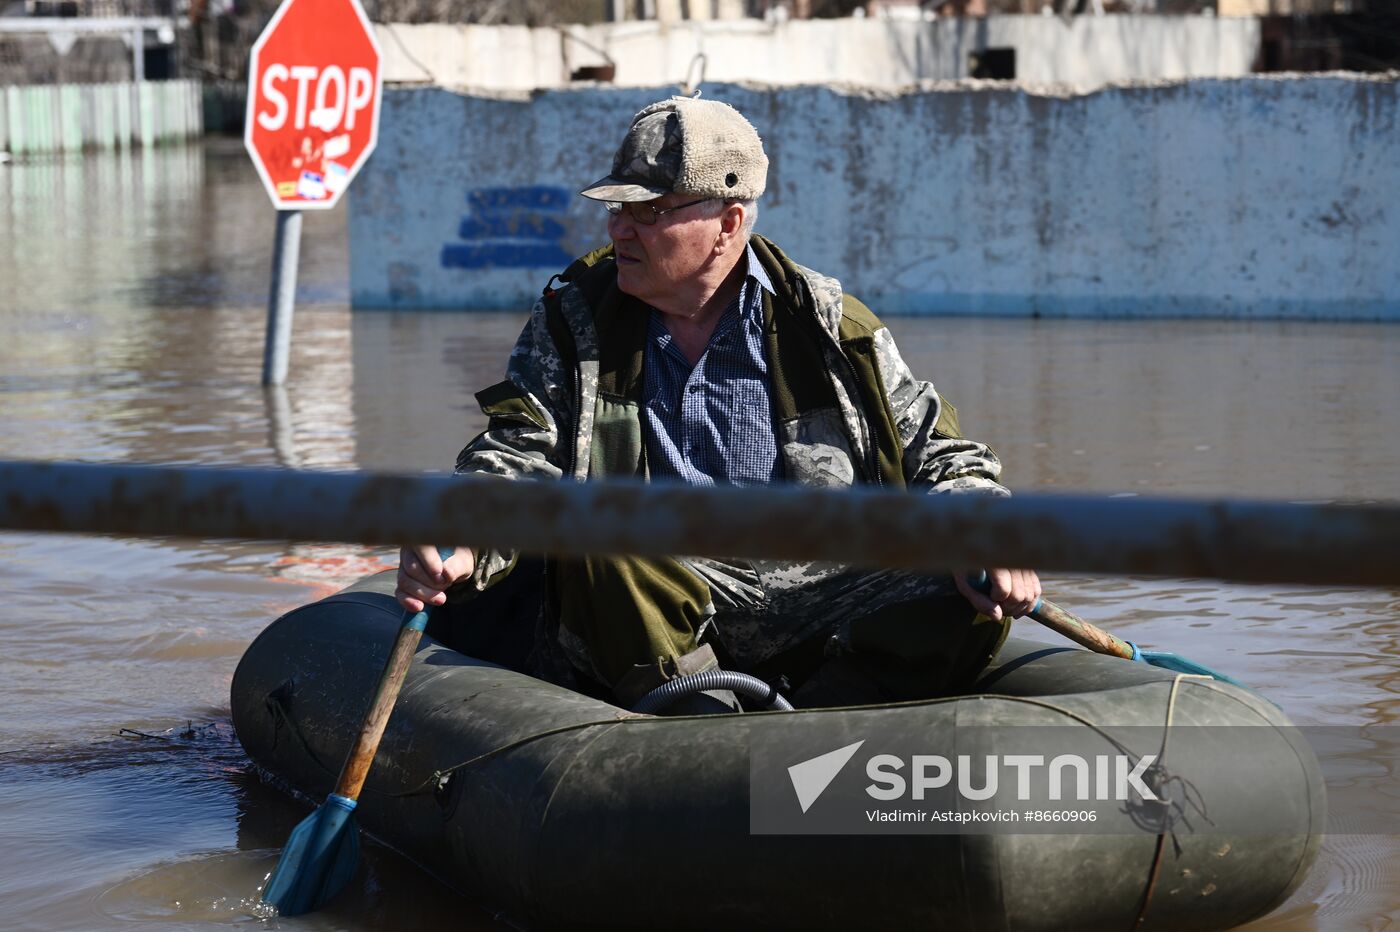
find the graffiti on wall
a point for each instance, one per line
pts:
(521, 227)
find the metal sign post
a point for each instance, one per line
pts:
(314, 86)
(281, 301)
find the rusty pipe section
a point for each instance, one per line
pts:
(1249, 541)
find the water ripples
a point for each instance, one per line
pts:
(149, 350)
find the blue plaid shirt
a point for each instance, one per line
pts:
(713, 423)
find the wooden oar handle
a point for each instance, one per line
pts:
(1062, 621)
(1080, 631)
(352, 775)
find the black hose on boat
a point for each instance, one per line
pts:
(741, 683)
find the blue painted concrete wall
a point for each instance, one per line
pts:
(1256, 197)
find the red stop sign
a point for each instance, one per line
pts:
(313, 101)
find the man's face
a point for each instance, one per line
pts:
(657, 261)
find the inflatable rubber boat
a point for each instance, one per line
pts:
(562, 811)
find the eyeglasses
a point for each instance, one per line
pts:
(643, 213)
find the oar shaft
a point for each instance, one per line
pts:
(352, 775)
(1066, 623)
(1080, 631)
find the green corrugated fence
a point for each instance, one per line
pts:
(73, 117)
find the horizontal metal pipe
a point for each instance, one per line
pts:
(1249, 541)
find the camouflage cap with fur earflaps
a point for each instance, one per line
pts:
(686, 145)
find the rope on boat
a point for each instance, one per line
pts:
(438, 779)
(1155, 871)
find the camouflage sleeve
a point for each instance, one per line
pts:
(522, 436)
(937, 458)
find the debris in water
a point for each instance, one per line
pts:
(191, 732)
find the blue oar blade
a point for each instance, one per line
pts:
(1179, 664)
(320, 857)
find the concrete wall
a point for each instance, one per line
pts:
(1086, 52)
(1256, 197)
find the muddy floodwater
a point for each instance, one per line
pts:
(132, 303)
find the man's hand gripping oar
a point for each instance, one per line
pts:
(1062, 621)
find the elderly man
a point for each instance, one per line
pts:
(693, 350)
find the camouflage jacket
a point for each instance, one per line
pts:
(845, 406)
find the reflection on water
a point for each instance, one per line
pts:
(132, 297)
